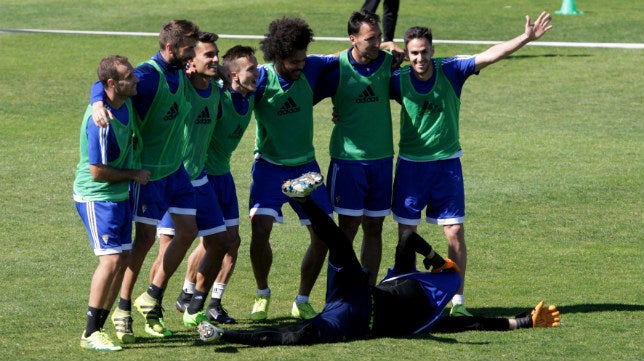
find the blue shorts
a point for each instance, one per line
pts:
(174, 194)
(358, 188)
(266, 197)
(108, 225)
(437, 185)
(209, 218)
(226, 193)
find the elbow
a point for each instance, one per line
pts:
(96, 172)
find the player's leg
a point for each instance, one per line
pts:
(371, 250)
(310, 182)
(261, 258)
(215, 246)
(226, 194)
(190, 279)
(104, 222)
(377, 205)
(301, 333)
(215, 310)
(448, 210)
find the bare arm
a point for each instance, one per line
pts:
(499, 51)
(105, 173)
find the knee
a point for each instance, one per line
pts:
(372, 225)
(455, 233)
(261, 227)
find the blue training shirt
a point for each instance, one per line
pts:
(328, 84)
(147, 86)
(101, 142)
(457, 69)
(314, 66)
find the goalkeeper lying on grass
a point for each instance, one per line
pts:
(406, 302)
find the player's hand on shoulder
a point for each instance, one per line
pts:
(101, 115)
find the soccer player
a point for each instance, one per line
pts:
(428, 171)
(101, 194)
(284, 149)
(356, 310)
(237, 105)
(361, 145)
(161, 108)
(204, 94)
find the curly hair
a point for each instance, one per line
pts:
(285, 37)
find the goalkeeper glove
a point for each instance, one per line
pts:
(449, 264)
(438, 263)
(539, 317)
(545, 317)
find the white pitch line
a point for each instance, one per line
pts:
(325, 38)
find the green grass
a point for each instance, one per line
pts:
(554, 171)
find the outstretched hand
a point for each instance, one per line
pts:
(540, 26)
(545, 316)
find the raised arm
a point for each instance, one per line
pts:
(499, 51)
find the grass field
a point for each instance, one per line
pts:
(554, 172)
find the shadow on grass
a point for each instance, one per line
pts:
(178, 339)
(518, 57)
(567, 309)
(183, 338)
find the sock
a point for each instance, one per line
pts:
(458, 300)
(91, 321)
(218, 290)
(188, 287)
(214, 302)
(154, 291)
(197, 302)
(266, 292)
(102, 318)
(125, 305)
(300, 299)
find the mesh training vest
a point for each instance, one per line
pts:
(428, 122)
(162, 129)
(199, 128)
(85, 186)
(364, 131)
(228, 133)
(284, 121)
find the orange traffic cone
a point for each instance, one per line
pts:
(568, 7)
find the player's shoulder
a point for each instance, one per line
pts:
(321, 59)
(457, 59)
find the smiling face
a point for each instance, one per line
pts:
(291, 68)
(244, 74)
(206, 59)
(366, 43)
(420, 53)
